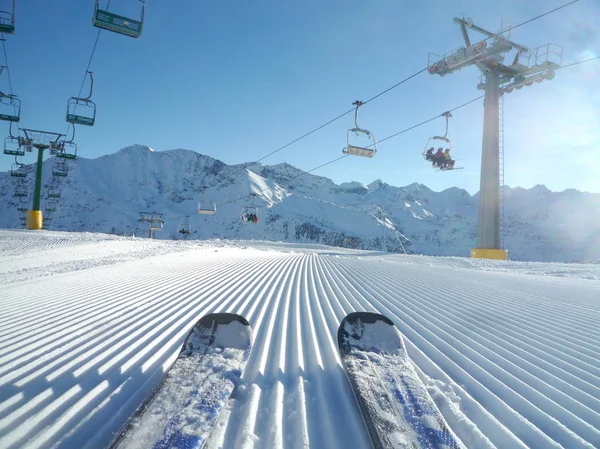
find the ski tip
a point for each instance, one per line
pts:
(356, 320)
(366, 317)
(220, 318)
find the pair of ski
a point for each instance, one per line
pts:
(183, 409)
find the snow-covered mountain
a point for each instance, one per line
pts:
(107, 194)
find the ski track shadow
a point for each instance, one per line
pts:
(104, 414)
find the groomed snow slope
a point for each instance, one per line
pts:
(89, 322)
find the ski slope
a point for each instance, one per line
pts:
(510, 351)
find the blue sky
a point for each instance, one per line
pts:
(238, 79)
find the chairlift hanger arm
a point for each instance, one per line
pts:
(91, 87)
(358, 104)
(73, 136)
(463, 29)
(446, 114)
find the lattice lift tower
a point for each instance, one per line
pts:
(527, 67)
(154, 220)
(41, 140)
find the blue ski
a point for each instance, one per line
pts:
(395, 405)
(181, 412)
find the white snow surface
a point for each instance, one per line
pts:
(510, 352)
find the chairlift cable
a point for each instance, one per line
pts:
(393, 87)
(430, 119)
(532, 19)
(578, 62)
(399, 133)
(344, 156)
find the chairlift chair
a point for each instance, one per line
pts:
(443, 138)
(206, 207)
(430, 144)
(21, 191)
(185, 228)
(119, 24)
(18, 170)
(88, 118)
(12, 147)
(365, 151)
(60, 168)
(7, 20)
(87, 108)
(53, 192)
(249, 213)
(67, 150)
(10, 108)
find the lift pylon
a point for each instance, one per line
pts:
(527, 67)
(154, 220)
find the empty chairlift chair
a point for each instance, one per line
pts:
(50, 206)
(82, 111)
(67, 150)
(12, 147)
(206, 207)
(10, 108)
(10, 105)
(119, 24)
(7, 18)
(353, 148)
(60, 169)
(21, 190)
(53, 192)
(18, 170)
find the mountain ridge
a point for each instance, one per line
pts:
(106, 195)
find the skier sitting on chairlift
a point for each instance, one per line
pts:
(439, 158)
(429, 156)
(251, 217)
(448, 162)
